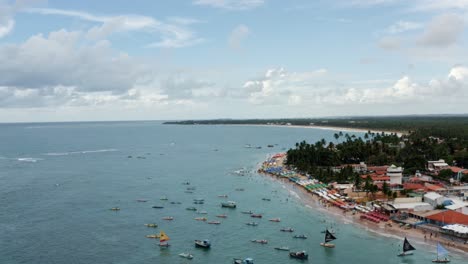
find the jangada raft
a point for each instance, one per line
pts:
(441, 255)
(328, 237)
(407, 249)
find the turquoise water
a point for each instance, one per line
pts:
(58, 182)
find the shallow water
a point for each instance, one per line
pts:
(58, 182)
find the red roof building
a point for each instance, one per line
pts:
(449, 217)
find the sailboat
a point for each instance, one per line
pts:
(441, 254)
(407, 249)
(163, 238)
(328, 237)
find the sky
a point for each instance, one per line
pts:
(93, 60)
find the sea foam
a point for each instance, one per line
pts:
(78, 152)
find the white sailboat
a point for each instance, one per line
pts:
(441, 254)
(407, 249)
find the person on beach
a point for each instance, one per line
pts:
(424, 237)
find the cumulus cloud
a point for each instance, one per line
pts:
(278, 86)
(405, 90)
(444, 30)
(237, 36)
(172, 34)
(231, 4)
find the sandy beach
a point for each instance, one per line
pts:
(417, 236)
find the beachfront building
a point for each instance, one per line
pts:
(434, 199)
(396, 174)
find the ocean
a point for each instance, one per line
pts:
(58, 182)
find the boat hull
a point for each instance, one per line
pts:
(405, 254)
(327, 245)
(441, 260)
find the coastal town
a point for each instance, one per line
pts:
(419, 204)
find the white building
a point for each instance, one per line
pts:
(395, 173)
(433, 199)
(437, 165)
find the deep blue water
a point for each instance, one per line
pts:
(58, 182)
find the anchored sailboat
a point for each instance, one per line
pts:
(407, 249)
(163, 238)
(441, 254)
(328, 237)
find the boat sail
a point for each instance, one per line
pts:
(441, 254)
(407, 249)
(163, 238)
(328, 237)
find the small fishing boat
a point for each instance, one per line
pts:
(200, 218)
(282, 248)
(260, 241)
(214, 222)
(222, 216)
(186, 255)
(256, 215)
(441, 255)
(252, 224)
(287, 229)
(164, 198)
(142, 200)
(198, 202)
(163, 239)
(168, 218)
(275, 220)
(243, 261)
(223, 196)
(151, 225)
(229, 204)
(115, 209)
(158, 206)
(266, 199)
(202, 243)
(247, 212)
(191, 208)
(270, 146)
(328, 237)
(186, 183)
(300, 236)
(407, 249)
(153, 236)
(176, 203)
(299, 255)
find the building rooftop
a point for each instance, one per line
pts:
(450, 217)
(432, 195)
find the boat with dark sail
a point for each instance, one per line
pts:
(299, 255)
(441, 255)
(407, 249)
(203, 243)
(328, 237)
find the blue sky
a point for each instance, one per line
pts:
(195, 59)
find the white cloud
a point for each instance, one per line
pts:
(172, 35)
(7, 27)
(231, 4)
(237, 36)
(278, 86)
(441, 5)
(444, 30)
(403, 26)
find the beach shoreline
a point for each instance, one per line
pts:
(382, 229)
(333, 128)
